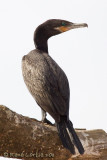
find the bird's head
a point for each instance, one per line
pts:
(51, 28)
(56, 26)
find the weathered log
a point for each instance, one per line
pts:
(26, 138)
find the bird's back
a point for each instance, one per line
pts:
(47, 83)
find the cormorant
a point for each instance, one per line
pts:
(48, 83)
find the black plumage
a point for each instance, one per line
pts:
(48, 83)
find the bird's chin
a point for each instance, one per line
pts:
(62, 29)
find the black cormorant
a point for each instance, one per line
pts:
(48, 83)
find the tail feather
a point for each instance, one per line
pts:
(69, 137)
(62, 135)
(75, 138)
(65, 138)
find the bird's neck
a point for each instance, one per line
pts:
(40, 42)
(43, 46)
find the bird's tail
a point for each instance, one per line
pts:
(68, 136)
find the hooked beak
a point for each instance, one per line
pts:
(71, 26)
(77, 25)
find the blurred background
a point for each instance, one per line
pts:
(81, 53)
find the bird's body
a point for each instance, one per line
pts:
(48, 83)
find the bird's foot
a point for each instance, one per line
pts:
(48, 122)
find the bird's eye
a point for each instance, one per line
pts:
(63, 24)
